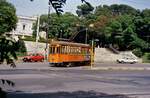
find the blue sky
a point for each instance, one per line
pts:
(27, 8)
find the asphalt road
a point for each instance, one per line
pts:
(75, 82)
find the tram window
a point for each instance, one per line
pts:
(65, 50)
(58, 50)
(83, 50)
(72, 50)
(69, 50)
(50, 49)
(76, 51)
(53, 50)
(62, 49)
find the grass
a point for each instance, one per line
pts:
(31, 38)
(146, 58)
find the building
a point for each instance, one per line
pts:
(24, 25)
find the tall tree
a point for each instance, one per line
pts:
(60, 27)
(121, 31)
(115, 10)
(8, 17)
(84, 9)
(8, 20)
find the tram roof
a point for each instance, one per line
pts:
(69, 43)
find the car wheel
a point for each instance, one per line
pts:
(122, 62)
(132, 62)
(24, 60)
(42, 60)
(30, 60)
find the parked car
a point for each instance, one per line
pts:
(33, 58)
(127, 60)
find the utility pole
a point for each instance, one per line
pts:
(37, 34)
(48, 25)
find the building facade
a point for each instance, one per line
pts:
(24, 26)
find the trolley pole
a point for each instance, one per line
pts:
(86, 35)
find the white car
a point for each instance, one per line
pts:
(127, 60)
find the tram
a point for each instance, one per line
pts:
(62, 53)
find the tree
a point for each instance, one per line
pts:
(59, 27)
(8, 18)
(121, 31)
(115, 10)
(142, 23)
(103, 10)
(84, 9)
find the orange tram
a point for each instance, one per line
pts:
(63, 53)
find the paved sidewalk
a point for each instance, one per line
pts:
(115, 66)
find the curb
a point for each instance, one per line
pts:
(120, 68)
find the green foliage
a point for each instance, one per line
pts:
(32, 38)
(84, 9)
(121, 31)
(59, 26)
(146, 13)
(8, 49)
(146, 58)
(8, 46)
(28, 38)
(8, 17)
(22, 47)
(138, 52)
(115, 9)
(103, 10)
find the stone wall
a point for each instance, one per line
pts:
(104, 55)
(32, 47)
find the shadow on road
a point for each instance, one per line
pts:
(76, 94)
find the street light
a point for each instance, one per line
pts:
(86, 29)
(92, 50)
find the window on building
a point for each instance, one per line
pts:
(24, 26)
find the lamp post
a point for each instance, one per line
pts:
(92, 50)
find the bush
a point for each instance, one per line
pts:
(138, 52)
(32, 38)
(22, 47)
(146, 58)
(29, 38)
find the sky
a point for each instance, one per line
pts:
(38, 7)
